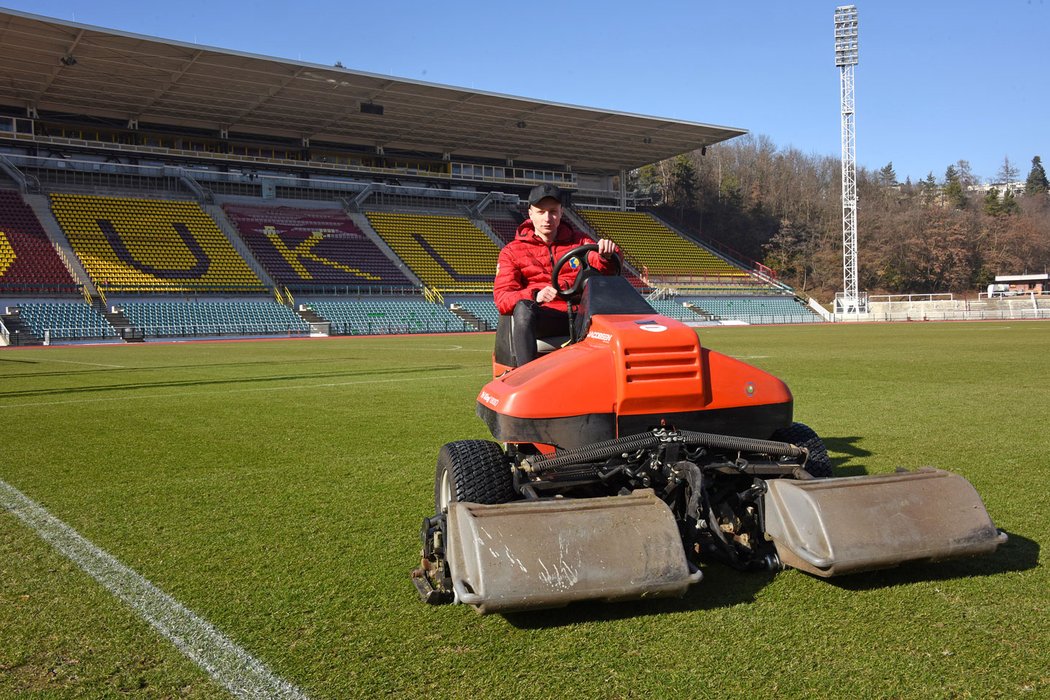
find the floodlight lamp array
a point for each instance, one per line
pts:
(846, 31)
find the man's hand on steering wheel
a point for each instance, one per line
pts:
(585, 271)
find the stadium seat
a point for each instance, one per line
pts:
(380, 316)
(306, 248)
(212, 318)
(131, 245)
(447, 253)
(65, 321)
(662, 252)
(29, 263)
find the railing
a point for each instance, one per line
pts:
(5, 336)
(743, 281)
(211, 330)
(401, 327)
(893, 298)
(1012, 295)
(76, 333)
(960, 315)
(343, 290)
(433, 296)
(349, 169)
(40, 288)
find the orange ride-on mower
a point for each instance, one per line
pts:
(632, 455)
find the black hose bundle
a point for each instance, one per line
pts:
(729, 442)
(596, 452)
(632, 443)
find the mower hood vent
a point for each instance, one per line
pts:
(662, 364)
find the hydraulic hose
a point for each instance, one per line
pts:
(729, 442)
(632, 443)
(596, 452)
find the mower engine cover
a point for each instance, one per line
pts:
(631, 372)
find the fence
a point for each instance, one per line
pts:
(397, 327)
(212, 330)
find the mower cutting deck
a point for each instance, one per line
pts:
(634, 455)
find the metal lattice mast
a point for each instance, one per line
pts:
(846, 60)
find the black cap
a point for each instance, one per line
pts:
(543, 191)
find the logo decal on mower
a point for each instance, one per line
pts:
(489, 399)
(652, 327)
(604, 337)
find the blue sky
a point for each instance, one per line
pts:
(938, 81)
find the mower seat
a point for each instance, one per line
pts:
(504, 353)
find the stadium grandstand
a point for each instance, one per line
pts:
(154, 189)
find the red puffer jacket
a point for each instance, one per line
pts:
(525, 266)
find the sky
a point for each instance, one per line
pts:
(937, 81)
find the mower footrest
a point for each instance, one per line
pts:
(829, 527)
(546, 554)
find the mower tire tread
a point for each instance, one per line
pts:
(819, 462)
(477, 471)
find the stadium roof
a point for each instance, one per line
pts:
(57, 66)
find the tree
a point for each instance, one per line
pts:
(1036, 182)
(645, 181)
(953, 188)
(966, 177)
(1010, 205)
(1007, 173)
(928, 189)
(681, 186)
(992, 205)
(887, 176)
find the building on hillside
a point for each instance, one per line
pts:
(1015, 285)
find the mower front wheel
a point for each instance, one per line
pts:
(819, 462)
(472, 470)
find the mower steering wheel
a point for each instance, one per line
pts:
(586, 269)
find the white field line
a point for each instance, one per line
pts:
(228, 664)
(326, 385)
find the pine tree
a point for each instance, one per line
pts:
(887, 176)
(928, 189)
(953, 189)
(1010, 205)
(681, 190)
(1036, 182)
(992, 205)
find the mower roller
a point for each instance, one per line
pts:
(625, 460)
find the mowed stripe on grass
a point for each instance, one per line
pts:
(228, 664)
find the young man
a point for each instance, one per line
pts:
(523, 276)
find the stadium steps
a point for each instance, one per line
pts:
(120, 322)
(470, 318)
(702, 313)
(310, 316)
(20, 332)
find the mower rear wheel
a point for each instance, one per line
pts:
(472, 470)
(819, 462)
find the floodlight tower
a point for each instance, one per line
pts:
(849, 301)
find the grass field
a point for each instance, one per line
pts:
(276, 490)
